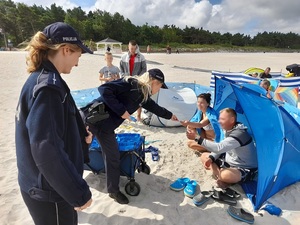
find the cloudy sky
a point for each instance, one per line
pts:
(214, 15)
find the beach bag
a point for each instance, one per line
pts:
(94, 113)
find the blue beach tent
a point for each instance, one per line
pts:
(275, 127)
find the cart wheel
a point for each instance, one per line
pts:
(132, 188)
(144, 168)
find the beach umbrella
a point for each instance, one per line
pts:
(275, 129)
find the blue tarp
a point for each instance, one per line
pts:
(275, 128)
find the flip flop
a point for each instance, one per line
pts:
(190, 189)
(240, 214)
(179, 184)
(231, 193)
(151, 149)
(155, 155)
(219, 196)
(202, 197)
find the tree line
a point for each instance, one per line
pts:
(19, 22)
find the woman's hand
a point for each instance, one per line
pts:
(86, 205)
(184, 123)
(174, 118)
(126, 115)
(89, 138)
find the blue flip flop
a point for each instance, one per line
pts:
(202, 197)
(179, 184)
(151, 149)
(155, 155)
(240, 214)
(190, 188)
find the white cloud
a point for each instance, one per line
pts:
(229, 16)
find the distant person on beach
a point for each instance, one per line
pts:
(109, 72)
(234, 159)
(51, 138)
(265, 84)
(122, 98)
(133, 63)
(148, 49)
(204, 123)
(108, 49)
(169, 50)
(266, 73)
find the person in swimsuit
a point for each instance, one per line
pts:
(201, 123)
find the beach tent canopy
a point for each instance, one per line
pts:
(181, 102)
(275, 128)
(180, 99)
(115, 46)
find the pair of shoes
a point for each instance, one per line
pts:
(190, 189)
(119, 197)
(240, 214)
(221, 197)
(188, 186)
(154, 152)
(231, 193)
(179, 184)
(202, 197)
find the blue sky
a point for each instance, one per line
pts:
(234, 16)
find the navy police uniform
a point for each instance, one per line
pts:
(50, 144)
(120, 96)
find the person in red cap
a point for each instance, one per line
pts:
(51, 138)
(122, 98)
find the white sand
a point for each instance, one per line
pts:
(156, 204)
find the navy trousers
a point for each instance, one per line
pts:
(50, 213)
(111, 155)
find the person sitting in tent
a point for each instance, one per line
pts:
(265, 84)
(204, 122)
(240, 161)
(266, 73)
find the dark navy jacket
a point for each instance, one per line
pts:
(120, 96)
(50, 138)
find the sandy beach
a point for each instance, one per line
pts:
(156, 204)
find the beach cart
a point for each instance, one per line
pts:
(132, 158)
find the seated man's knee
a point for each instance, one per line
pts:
(230, 175)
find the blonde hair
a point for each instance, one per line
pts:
(231, 112)
(144, 82)
(40, 48)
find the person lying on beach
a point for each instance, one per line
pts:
(265, 84)
(234, 159)
(204, 123)
(122, 98)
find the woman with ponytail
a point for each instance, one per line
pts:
(50, 134)
(204, 123)
(122, 98)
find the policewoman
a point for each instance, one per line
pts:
(50, 135)
(122, 98)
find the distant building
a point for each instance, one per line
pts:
(108, 43)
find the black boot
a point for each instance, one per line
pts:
(119, 197)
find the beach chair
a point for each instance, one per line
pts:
(132, 158)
